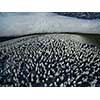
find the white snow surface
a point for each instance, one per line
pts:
(14, 24)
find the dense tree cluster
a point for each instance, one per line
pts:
(83, 15)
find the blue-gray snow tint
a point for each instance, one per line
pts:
(49, 59)
(12, 24)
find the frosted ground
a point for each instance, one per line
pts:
(50, 60)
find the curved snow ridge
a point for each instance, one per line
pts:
(19, 24)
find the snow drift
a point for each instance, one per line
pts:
(14, 24)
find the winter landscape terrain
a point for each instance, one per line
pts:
(15, 24)
(50, 49)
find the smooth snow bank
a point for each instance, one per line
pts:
(19, 24)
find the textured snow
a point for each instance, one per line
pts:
(69, 63)
(12, 24)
